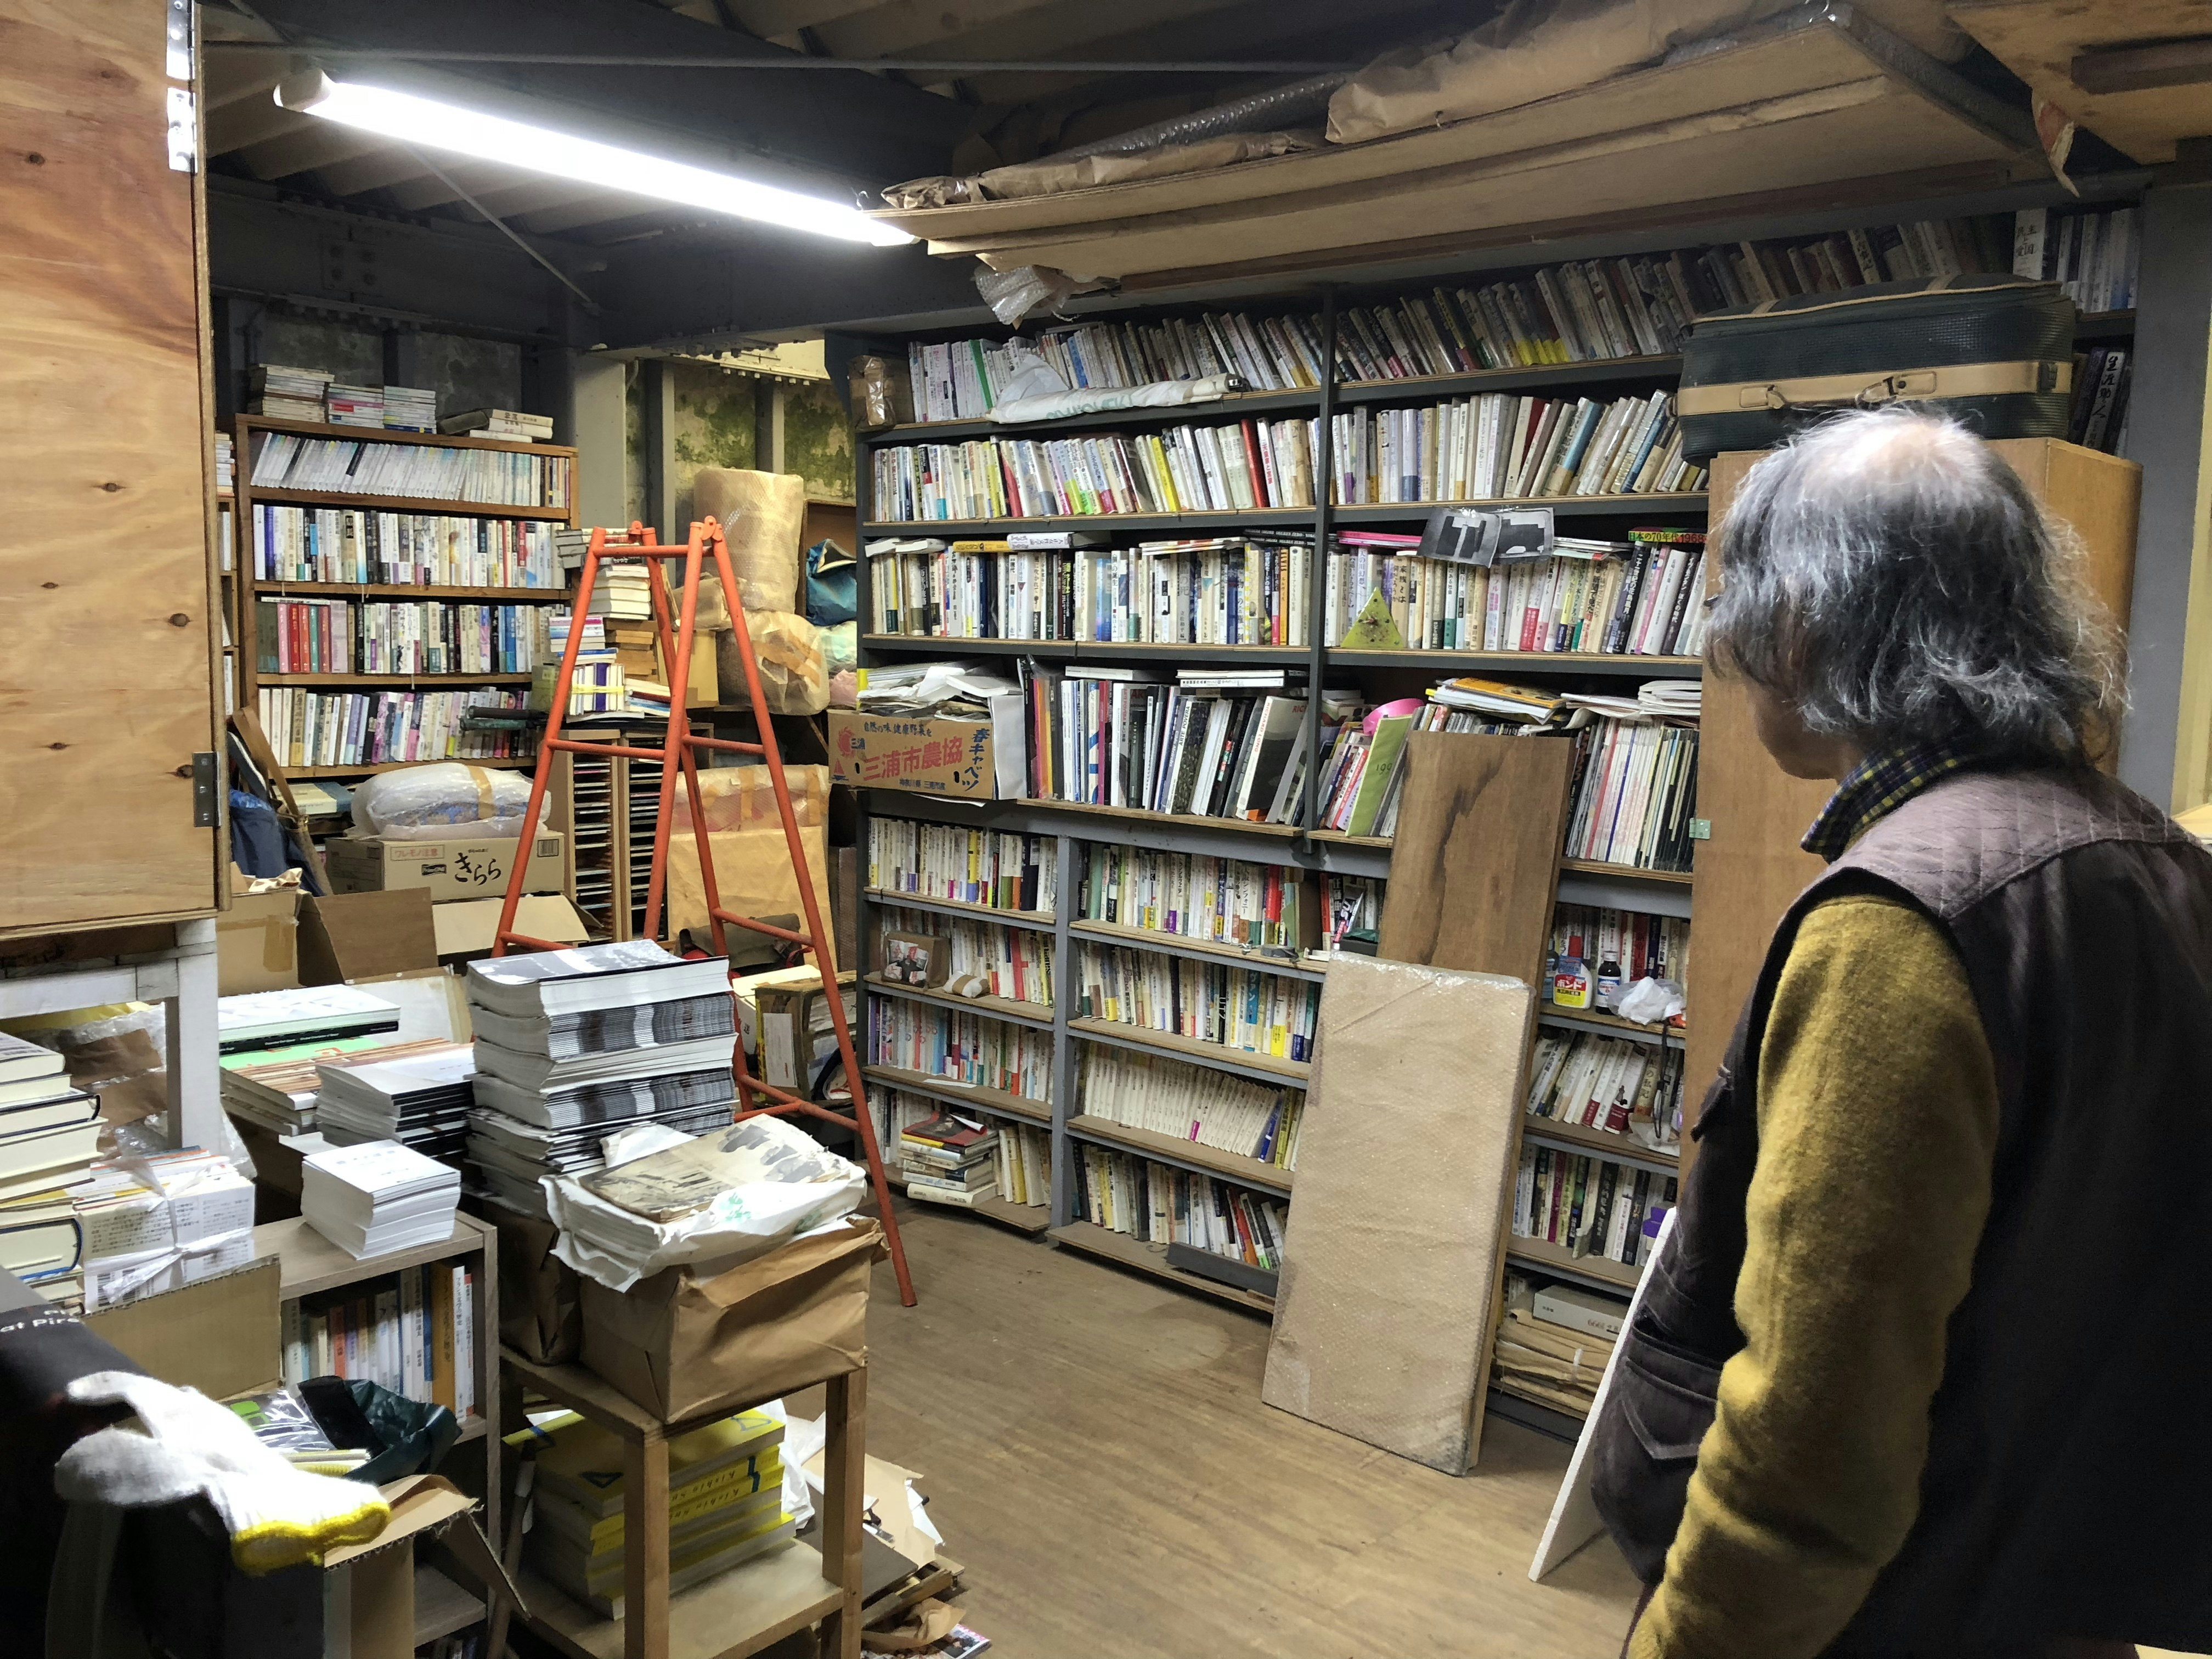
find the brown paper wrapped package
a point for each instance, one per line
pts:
(683, 1343)
(763, 516)
(1390, 1278)
(752, 874)
(541, 1315)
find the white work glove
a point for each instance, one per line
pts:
(277, 1516)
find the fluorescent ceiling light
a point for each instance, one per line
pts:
(441, 125)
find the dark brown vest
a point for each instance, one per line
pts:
(2068, 1491)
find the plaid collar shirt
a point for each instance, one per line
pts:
(1877, 786)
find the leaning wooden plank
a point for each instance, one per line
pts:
(1388, 1300)
(1476, 861)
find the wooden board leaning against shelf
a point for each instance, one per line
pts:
(248, 588)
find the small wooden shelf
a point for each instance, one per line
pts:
(393, 436)
(1603, 1142)
(1594, 1270)
(1032, 1219)
(885, 897)
(1037, 1015)
(1187, 1154)
(1626, 871)
(1106, 1244)
(1537, 662)
(396, 680)
(366, 769)
(403, 591)
(308, 1263)
(441, 1607)
(1177, 944)
(1592, 1019)
(1565, 507)
(1266, 1068)
(996, 1101)
(427, 504)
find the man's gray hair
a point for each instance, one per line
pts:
(1891, 579)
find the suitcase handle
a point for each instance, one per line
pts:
(1828, 391)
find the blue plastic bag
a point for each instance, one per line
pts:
(832, 584)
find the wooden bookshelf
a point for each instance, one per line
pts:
(1626, 871)
(1037, 1015)
(1622, 1148)
(246, 588)
(958, 908)
(1593, 1019)
(1562, 1263)
(1564, 507)
(1125, 1251)
(1031, 1219)
(1185, 1154)
(997, 1102)
(1178, 944)
(1244, 1062)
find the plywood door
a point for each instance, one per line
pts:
(107, 686)
(1751, 868)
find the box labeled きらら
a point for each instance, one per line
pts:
(453, 867)
(976, 759)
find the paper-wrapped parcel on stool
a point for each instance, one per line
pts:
(724, 1197)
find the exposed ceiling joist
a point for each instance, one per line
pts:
(318, 146)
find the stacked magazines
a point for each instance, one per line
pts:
(573, 1045)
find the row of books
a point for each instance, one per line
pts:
(1633, 598)
(999, 869)
(1590, 1205)
(401, 549)
(1234, 590)
(960, 1048)
(381, 637)
(1610, 949)
(2097, 416)
(1101, 739)
(1186, 1100)
(49, 1137)
(1363, 771)
(945, 1159)
(366, 728)
(1162, 1205)
(2091, 255)
(1013, 962)
(1215, 901)
(1635, 794)
(413, 1331)
(1496, 447)
(1244, 1008)
(1577, 311)
(1616, 1085)
(1500, 447)
(350, 466)
(1019, 1155)
(288, 392)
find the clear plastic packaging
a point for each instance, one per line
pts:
(788, 649)
(763, 515)
(743, 798)
(882, 394)
(433, 801)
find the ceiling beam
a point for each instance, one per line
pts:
(234, 126)
(2104, 69)
(324, 143)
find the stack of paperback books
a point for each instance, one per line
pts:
(947, 1160)
(420, 1099)
(378, 1197)
(47, 1139)
(724, 1505)
(573, 1045)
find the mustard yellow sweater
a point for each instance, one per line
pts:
(1877, 1127)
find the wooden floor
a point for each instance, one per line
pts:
(1096, 1456)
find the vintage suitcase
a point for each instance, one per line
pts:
(1997, 351)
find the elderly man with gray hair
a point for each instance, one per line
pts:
(1925, 1367)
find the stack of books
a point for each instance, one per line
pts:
(378, 1197)
(410, 409)
(499, 423)
(287, 393)
(573, 1045)
(315, 1014)
(354, 405)
(48, 1138)
(724, 1505)
(623, 591)
(420, 1099)
(947, 1160)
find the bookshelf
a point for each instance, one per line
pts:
(1069, 828)
(516, 522)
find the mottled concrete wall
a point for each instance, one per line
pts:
(716, 422)
(713, 427)
(466, 374)
(817, 439)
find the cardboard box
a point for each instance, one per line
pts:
(792, 1023)
(463, 867)
(257, 941)
(220, 1335)
(469, 927)
(350, 936)
(686, 1342)
(1580, 1310)
(369, 1588)
(977, 760)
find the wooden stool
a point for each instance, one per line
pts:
(740, 1611)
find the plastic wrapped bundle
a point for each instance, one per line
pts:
(430, 802)
(788, 648)
(763, 515)
(742, 798)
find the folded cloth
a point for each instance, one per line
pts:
(277, 1516)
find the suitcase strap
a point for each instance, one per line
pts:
(1858, 390)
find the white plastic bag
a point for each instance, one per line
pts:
(439, 799)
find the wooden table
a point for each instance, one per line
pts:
(734, 1613)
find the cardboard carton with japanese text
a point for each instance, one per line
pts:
(980, 760)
